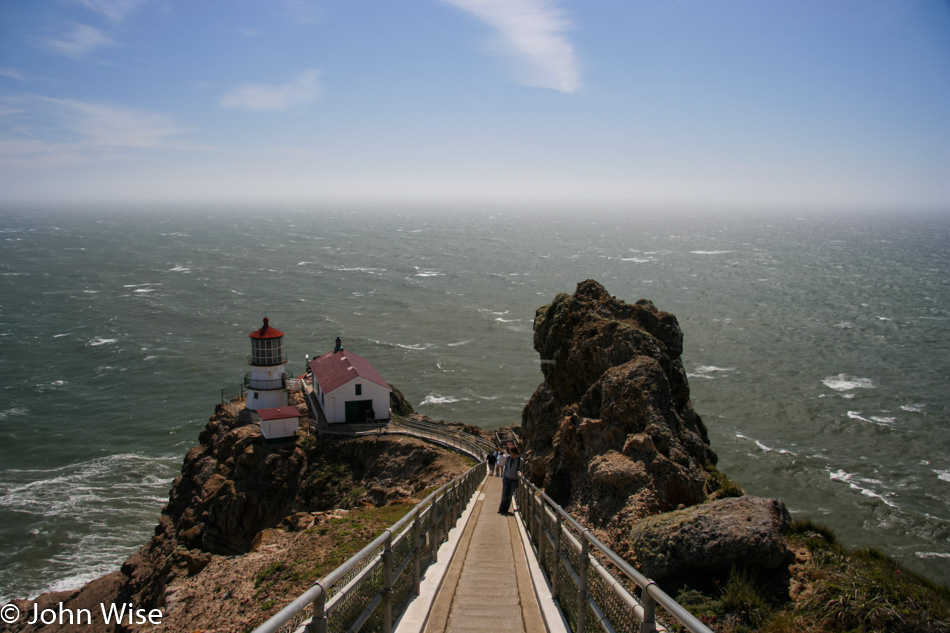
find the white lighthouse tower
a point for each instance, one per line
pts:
(266, 383)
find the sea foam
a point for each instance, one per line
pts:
(843, 382)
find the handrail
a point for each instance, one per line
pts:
(476, 446)
(371, 586)
(596, 590)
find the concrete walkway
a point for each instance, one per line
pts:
(487, 588)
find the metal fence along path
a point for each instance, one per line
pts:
(532, 571)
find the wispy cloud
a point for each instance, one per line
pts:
(80, 41)
(12, 73)
(118, 127)
(261, 97)
(115, 10)
(66, 131)
(532, 34)
(301, 11)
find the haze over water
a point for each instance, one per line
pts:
(816, 347)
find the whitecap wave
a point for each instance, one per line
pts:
(102, 341)
(437, 399)
(932, 554)
(913, 408)
(179, 269)
(763, 447)
(13, 412)
(874, 419)
(943, 475)
(709, 252)
(843, 382)
(706, 371)
(458, 344)
(88, 489)
(416, 347)
(861, 484)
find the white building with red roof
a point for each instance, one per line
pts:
(348, 388)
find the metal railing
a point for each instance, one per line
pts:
(593, 597)
(264, 385)
(232, 392)
(373, 588)
(475, 446)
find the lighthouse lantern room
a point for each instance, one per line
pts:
(267, 381)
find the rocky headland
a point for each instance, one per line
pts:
(249, 525)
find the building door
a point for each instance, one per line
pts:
(358, 411)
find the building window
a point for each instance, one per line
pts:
(359, 389)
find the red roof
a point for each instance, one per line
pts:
(266, 331)
(335, 369)
(278, 413)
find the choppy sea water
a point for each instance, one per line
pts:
(816, 345)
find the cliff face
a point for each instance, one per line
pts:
(611, 433)
(235, 489)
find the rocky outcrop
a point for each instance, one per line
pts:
(712, 537)
(611, 435)
(611, 432)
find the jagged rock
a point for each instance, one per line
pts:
(611, 433)
(742, 531)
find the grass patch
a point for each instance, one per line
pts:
(269, 575)
(718, 485)
(865, 590)
(837, 590)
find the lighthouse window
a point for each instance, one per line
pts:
(359, 389)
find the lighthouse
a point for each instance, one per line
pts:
(266, 382)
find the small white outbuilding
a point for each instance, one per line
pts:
(279, 422)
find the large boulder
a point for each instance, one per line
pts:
(714, 536)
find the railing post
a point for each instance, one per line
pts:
(388, 585)
(582, 564)
(447, 516)
(416, 553)
(540, 512)
(557, 556)
(434, 539)
(649, 610)
(318, 623)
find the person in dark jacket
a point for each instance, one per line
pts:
(509, 478)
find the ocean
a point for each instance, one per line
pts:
(816, 346)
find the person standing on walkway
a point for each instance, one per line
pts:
(509, 479)
(491, 462)
(500, 463)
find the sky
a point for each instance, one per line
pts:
(631, 103)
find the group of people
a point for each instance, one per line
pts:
(507, 466)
